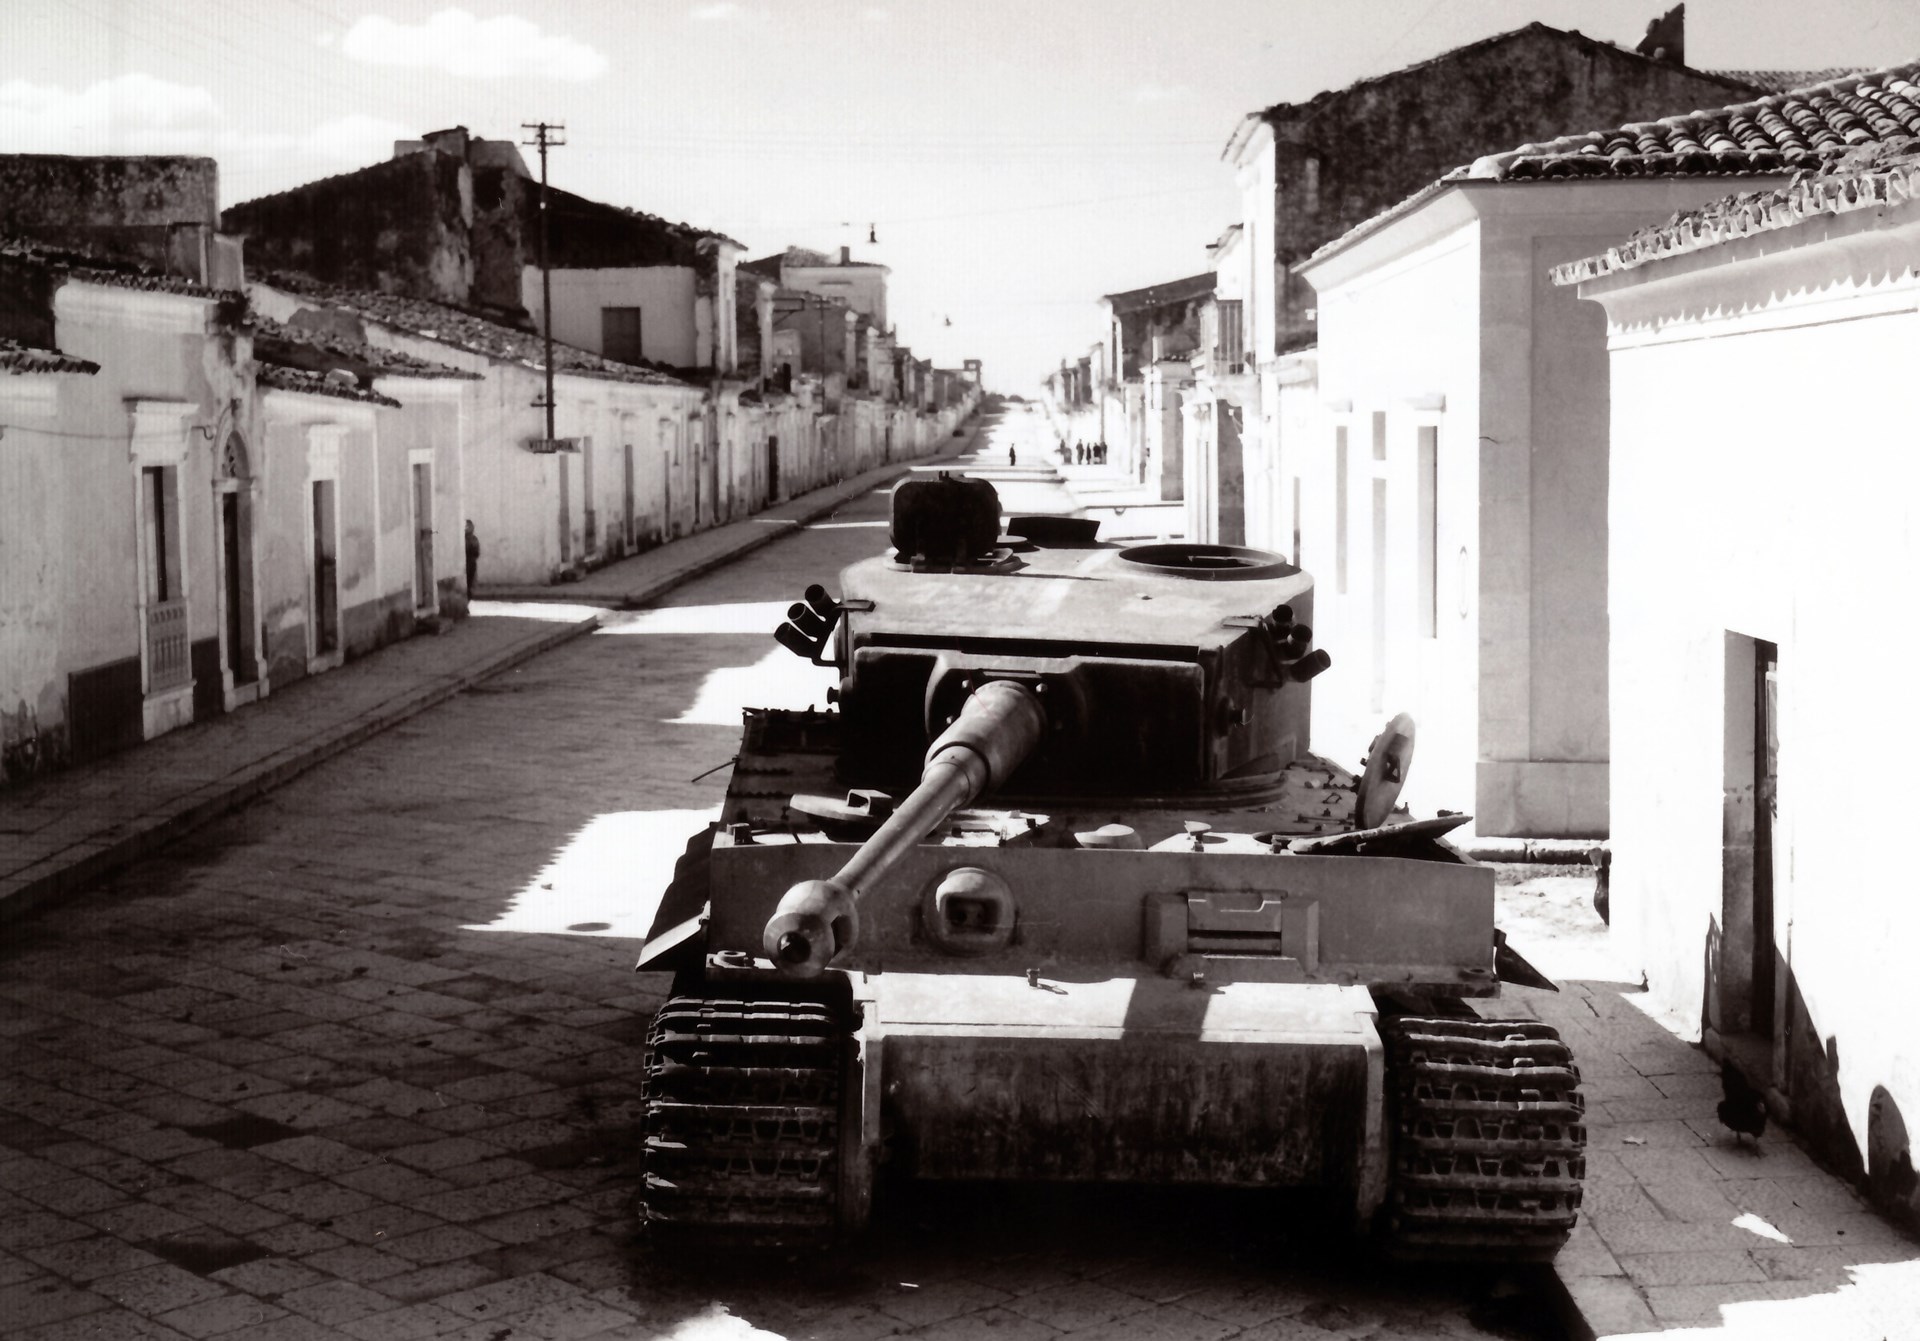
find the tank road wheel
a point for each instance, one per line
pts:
(743, 1122)
(1488, 1140)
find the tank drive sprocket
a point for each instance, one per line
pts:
(743, 1095)
(1488, 1140)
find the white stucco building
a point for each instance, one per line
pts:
(1452, 479)
(1764, 567)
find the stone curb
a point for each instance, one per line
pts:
(770, 529)
(26, 892)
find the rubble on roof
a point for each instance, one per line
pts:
(470, 331)
(94, 268)
(315, 348)
(277, 378)
(19, 360)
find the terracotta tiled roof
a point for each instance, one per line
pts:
(1871, 177)
(281, 344)
(469, 331)
(1780, 81)
(18, 360)
(315, 384)
(1781, 132)
(1775, 135)
(96, 269)
(1173, 291)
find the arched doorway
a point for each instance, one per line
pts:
(235, 501)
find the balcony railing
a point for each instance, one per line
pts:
(169, 661)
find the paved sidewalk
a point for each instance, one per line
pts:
(635, 582)
(70, 829)
(1683, 1229)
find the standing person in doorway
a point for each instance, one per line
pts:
(473, 557)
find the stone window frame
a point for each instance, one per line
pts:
(160, 437)
(323, 466)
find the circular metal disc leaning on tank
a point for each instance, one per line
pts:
(1388, 760)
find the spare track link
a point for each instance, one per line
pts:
(743, 1122)
(1487, 1131)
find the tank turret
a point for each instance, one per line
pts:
(1167, 669)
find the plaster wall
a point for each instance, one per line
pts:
(1399, 340)
(430, 422)
(1166, 388)
(38, 548)
(1786, 517)
(306, 438)
(160, 349)
(665, 294)
(862, 288)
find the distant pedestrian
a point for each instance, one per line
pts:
(1013, 458)
(473, 557)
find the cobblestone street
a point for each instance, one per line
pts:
(363, 1060)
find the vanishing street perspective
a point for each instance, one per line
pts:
(1217, 673)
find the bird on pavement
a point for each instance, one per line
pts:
(1743, 1111)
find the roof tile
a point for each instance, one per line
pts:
(316, 384)
(96, 269)
(1794, 129)
(19, 360)
(272, 337)
(469, 331)
(1872, 176)
(1153, 295)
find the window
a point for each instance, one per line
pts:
(163, 530)
(1378, 584)
(1340, 509)
(1299, 560)
(1379, 435)
(1229, 349)
(1427, 541)
(620, 334)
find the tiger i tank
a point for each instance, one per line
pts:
(1054, 889)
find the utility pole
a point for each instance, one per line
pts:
(545, 136)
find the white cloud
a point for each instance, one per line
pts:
(129, 113)
(504, 47)
(722, 9)
(356, 138)
(138, 113)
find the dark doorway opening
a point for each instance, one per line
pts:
(1748, 971)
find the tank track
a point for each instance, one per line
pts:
(1487, 1138)
(743, 1122)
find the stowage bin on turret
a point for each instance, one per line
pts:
(1064, 821)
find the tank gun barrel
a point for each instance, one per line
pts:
(996, 729)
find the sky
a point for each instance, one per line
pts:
(1013, 159)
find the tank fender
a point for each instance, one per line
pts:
(677, 939)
